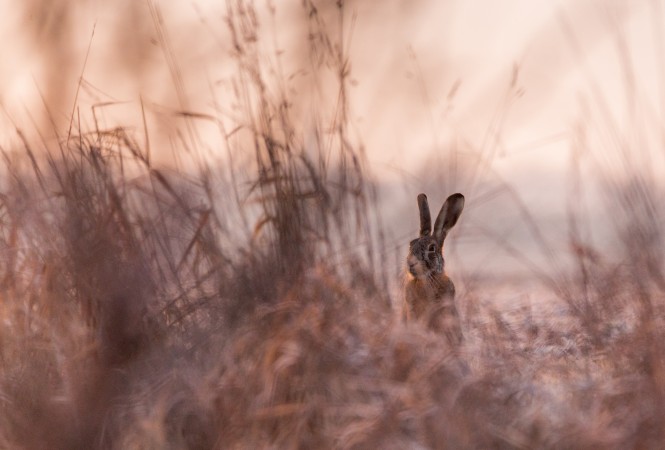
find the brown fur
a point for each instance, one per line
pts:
(430, 293)
(432, 301)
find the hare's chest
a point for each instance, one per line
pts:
(422, 296)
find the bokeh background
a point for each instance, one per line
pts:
(478, 97)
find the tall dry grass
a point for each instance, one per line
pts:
(247, 305)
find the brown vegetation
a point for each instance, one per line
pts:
(247, 306)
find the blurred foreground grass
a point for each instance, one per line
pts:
(248, 305)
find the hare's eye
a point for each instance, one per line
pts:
(431, 248)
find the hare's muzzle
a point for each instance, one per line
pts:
(415, 267)
(412, 269)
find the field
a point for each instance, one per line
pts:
(252, 299)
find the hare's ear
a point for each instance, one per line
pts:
(447, 218)
(425, 218)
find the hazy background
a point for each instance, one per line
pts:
(498, 100)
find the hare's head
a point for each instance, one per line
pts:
(426, 253)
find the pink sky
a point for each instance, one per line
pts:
(406, 58)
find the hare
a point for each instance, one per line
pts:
(430, 294)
